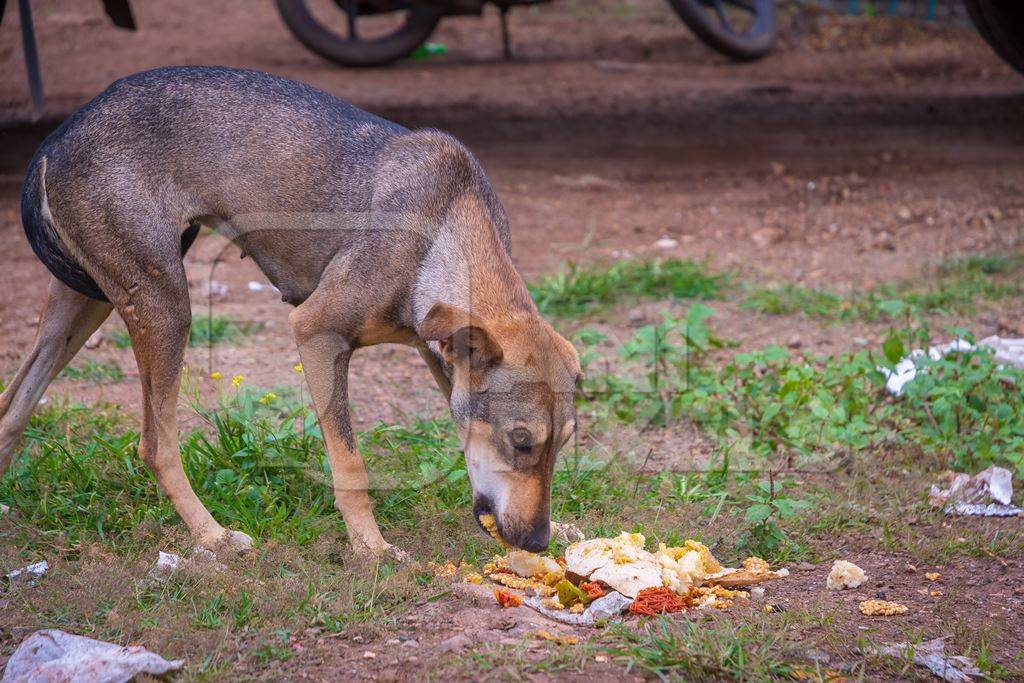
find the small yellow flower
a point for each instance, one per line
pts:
(237, 380)
(268, 397)
(297, 368)
(215, 375)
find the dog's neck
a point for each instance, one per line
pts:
(474, 275)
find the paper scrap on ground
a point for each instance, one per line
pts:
(611, 605)
(986, 494)
(931, 653)
(53, 655)
(31, 573)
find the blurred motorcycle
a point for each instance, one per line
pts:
(376, 32)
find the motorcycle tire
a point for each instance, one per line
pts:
(420, 23)
(1001, 24)
(752, 43)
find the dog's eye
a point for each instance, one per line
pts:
(521, 439)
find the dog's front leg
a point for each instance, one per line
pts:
(325, 357)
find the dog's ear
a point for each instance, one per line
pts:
(462, 337)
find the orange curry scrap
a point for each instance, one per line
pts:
(652, 601)
(506, 599)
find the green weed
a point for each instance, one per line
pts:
(583, 289)
(674, 650)
(97, 372)
(204, 330)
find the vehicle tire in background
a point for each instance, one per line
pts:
(1001, 24)
(716, 23)
(419, 22)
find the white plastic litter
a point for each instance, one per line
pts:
(605, 607)
(166, 565)
(931, 653)
(53, 655)
(986, 494)
(32, 573)
(1006, 352)
(906, 369)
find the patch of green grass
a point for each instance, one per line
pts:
(752, 650)
(205, 330)
(957, 287)
(790, 299)
(584, 289)
(782, 408)
(97, 372)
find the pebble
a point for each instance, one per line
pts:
(455, 643)
(411, 643)
(369, 655)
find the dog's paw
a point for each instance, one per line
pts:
(384, 552)
(227, 541)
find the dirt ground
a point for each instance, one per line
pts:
(859, 152)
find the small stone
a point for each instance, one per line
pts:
(666, 243)
(455, 643)
(795, 342)
(904, 214)
(778, 169)
(392, 641)
(369, 655)
(412, 643)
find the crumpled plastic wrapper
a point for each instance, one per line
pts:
(53, 655)
(1005, 351)
(605, 607)
(986, 494)
(30, 575)
(931, 653)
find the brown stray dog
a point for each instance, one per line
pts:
(375, 233)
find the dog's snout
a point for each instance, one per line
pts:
(537, 538)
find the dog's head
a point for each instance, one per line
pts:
(512, 399)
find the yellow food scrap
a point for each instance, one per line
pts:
(552, 603)
(443, 570)
(932, 576)
(710, 564)
(881, 608)
(488, 522)
(756, 565)
(473, 578)
(936, 594)
(562, 640)
(845, 575)
(578, 608)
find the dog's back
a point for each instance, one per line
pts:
(266, 159)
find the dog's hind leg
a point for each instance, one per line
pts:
(158, 316)
(66, 322)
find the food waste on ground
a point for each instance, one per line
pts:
(665, 580)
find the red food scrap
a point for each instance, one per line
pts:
(592, 590)
(506, 599)
(652, 601)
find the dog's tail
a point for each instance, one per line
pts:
(46, 242)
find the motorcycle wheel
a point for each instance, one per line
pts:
(1001, 24)
(740, 29)
(415, 27)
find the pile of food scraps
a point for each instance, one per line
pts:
(669, 579)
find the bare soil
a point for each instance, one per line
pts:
(859, 152)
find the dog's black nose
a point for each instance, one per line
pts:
(537, 540)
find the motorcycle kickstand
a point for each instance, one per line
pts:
(506, 41)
